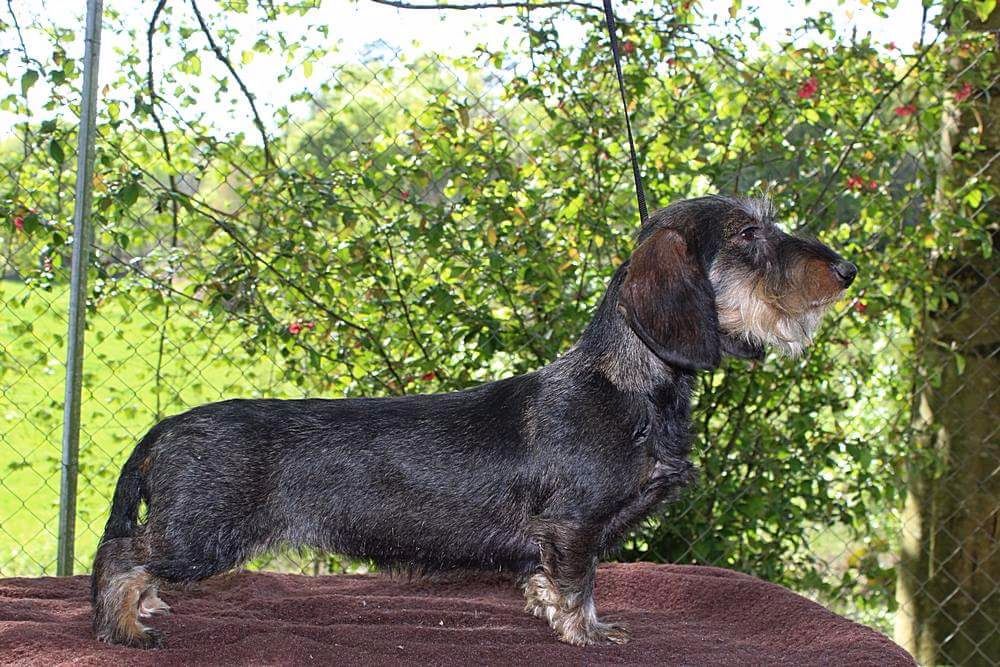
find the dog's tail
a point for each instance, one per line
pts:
(128, 495)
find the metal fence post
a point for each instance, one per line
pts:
(82, 238)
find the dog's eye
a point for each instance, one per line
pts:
(749, 233)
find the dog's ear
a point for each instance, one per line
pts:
(669, 303)
(738, 346)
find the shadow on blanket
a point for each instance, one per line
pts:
(677, 614)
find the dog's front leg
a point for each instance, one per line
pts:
(562, 589)
(665, 483)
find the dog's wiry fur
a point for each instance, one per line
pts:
(538, 475)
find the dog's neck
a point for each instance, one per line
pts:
(609, 346)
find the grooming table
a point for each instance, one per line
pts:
(678, 615)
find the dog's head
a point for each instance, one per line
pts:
(716, 275)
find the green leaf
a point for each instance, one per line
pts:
(984, 8)
(129, 194)
(191, 63)
(56, 151)
(28, 79)
(974, 198)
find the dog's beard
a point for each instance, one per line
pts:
(745, 312)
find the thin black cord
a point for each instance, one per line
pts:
(640, 194)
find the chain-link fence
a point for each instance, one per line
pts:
(363, 199)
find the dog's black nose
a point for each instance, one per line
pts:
(846, 272)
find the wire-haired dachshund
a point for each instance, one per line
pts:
(539, 474)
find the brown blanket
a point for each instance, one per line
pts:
(677, 615)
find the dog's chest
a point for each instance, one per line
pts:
(665, 438)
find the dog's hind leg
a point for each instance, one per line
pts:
(119, 585)
(562, 589)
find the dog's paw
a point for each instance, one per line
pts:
(150, 638)
(616, 633)
(596, 633)
(540, 610)
(147, 638)
(151, 606)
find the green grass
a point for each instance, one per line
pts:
(122, 398)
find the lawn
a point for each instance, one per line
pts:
(123, 394)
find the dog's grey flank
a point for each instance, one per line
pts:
(537, 475)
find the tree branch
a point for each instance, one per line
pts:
(849, 148)
(218, 218)
(221, 57)
(406, 308)
(172, 180)
(20, 38)
(166, 287)
(150, 85)
(232, 233)
(499, 4)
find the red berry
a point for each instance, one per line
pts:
(19, 223)
(294, 328)
(628, 47)
(808, 88)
